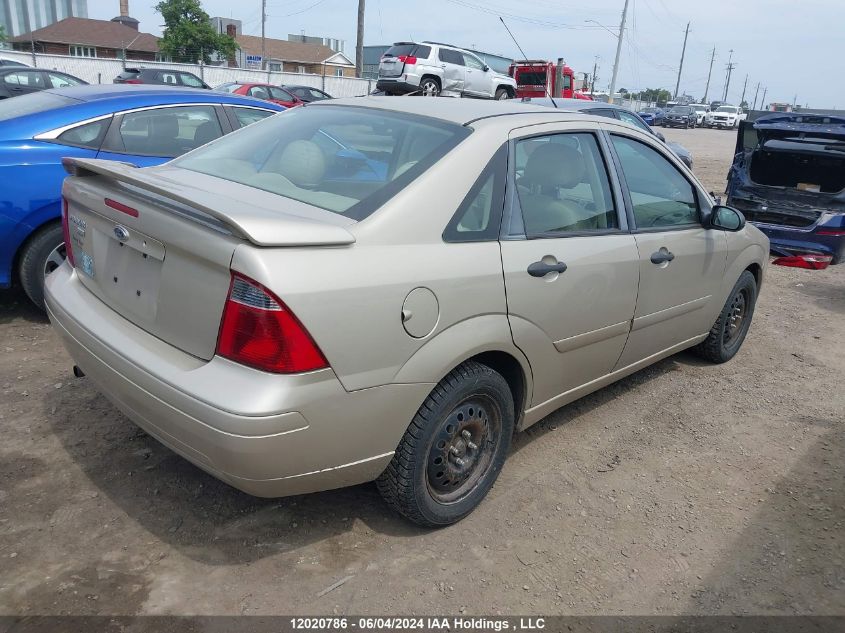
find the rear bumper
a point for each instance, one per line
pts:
(396, 86)
(793, 241)
(321, 437)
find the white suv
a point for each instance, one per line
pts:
(433, 69)
(726, 116)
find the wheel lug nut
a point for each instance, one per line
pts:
(466, 434)
(454, 451)
(460, 462)
(471, 446)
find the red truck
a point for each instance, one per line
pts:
(541, 78)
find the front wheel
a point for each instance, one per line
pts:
(43, 254)
(429, 87)
(502, 94)
(454, 448)
(729, 330)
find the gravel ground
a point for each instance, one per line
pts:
(685, 488)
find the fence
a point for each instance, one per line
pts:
(100, 70)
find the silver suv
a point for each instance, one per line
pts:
(433, 69)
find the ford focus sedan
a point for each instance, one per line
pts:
(291, 318)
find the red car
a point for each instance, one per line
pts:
(267, 92)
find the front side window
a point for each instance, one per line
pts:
(167, 78)
(661, 196)
(190, 80)
(62, 81)
(259, 92)
(567, 82)
(347, 160)
(470, 61)
(562, 185)
(167, 131)
(634, 120)
(279, 94)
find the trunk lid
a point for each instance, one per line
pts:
(156, 245)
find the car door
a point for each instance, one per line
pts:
(476, 79)
(454, 71)
(569, 262)
(25, 81)
(151, 136)
(680, 262)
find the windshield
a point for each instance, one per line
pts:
(730, 109)
(680, 110)
(32, 103)
(651, 110)
(349, 160)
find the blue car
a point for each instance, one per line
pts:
(141, 125)
(788, 178)
(653, 116)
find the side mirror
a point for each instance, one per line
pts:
(486, 67)
(660, 136)
(724, 218)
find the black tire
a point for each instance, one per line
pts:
(36, 262)
(424, 481)
(502, 93)
(429, 87)
(725, 336)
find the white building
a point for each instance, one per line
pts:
(22, 16)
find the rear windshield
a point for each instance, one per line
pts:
(347, 160)
(129, 73)
(531, 77)
(32, 103)
(416, 50)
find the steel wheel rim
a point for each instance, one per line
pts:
(463, 448)
(55, 259)
(736, 317)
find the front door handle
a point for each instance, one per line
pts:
(541, 268)
(662, 256)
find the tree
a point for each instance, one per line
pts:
(188, 34)
(744, 105)
(2, 34)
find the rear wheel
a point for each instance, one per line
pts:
(454, 448)
(729, 330)
(429, 87)
(44, 252)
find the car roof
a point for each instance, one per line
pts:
(145, 92)
(454, 110)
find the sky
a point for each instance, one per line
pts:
(791, 47)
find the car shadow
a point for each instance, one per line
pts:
(214, 523)
(14, 304)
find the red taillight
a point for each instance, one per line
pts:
(408, 59)
(831, 232)
(119, 206)
(132, 81)
(812, 261)
(66, 234)
(260, 331)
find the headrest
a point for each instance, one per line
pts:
(303, 163)
(552, 166)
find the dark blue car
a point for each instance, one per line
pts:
(652, 116)
(788, 178)
(141, 125)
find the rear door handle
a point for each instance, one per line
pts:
(662, 256)
(541, 268)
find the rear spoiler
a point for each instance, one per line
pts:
(261, 226)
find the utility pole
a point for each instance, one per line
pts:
(742, 98)
(681, 67)
(263, 22)
(709, 72)
(756, 93)
(359, 44)
(730, 67)
(794, 101)
(618, 52)
(595, 70)
(763, 102)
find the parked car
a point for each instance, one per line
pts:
(433, 69)
(306, 332)
(307, 93)
(161, 77)
(143, 126)
(267, 92)
(701, 110)
(681, 116)
(21, 80)
(613, 111)
(725, 116)
(5, 62)
(652, 116)
(788, 178)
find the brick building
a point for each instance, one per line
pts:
(295, 57)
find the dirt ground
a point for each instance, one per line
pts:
(685, 488)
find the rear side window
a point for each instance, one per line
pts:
(347, 160)
(166, 132)
(451, 57)
(259, 92)
(26, 78)
(422, 52)
(89, 135)
(166, 78)
(281, 95)
(247, 116)
(189, 80)
(59, 80)
(479, 217)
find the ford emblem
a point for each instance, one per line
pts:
(121, 233)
